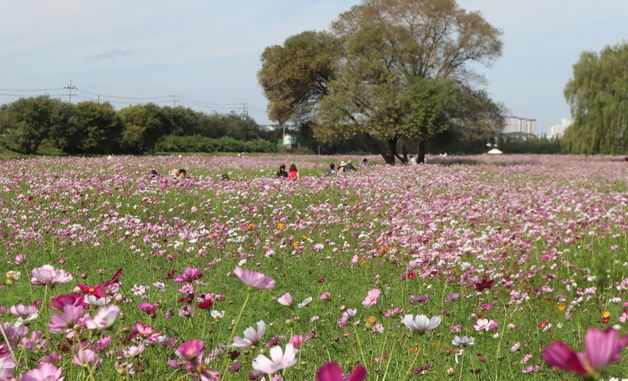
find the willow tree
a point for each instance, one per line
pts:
(360, 78)
(598, 96)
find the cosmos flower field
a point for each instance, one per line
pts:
(461, 269)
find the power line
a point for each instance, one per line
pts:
(129, 98)
(33, 90)
(210, 103)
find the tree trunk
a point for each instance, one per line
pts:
(392, 147)
(420, 151)
(388, 158)
(404, 154)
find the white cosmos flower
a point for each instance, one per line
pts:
(305, 302)
(251, 336)
(421, 322)
(278, 360)
(463, 341)
(217, 314)
(105, 317)
(96, 301)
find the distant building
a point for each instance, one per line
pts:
(558, 130)
(289, 140)
(517, 125)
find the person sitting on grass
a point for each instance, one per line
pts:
(293, 173)
(282, 171)
(332, 170)
(348, 167)
(179, 173)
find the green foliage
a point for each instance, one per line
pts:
(295, 76)
(598, 96)
(143, 126)
(538, 145)
(26, 122)
(89, 127)
(173, 143)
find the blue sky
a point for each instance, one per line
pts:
(207, 51)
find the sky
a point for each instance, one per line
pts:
(205, 54)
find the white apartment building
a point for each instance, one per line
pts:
(515, 124)
(558, 130)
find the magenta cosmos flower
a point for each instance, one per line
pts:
(600, 349)
(45, 372)
(189, 274)
(47, 274)
(254, 279)
(190, 349)
(332, 372)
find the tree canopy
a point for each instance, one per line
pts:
(392, 70)
(598, 96)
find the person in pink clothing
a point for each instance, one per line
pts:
(293, 173)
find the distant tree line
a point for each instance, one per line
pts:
(98, 128)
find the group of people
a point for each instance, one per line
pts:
(293, 172)
(177, 173)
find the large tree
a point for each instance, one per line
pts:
(393, 56)
(295, 76)
(598, 96)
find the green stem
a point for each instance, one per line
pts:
(357, 337)
(235, 325)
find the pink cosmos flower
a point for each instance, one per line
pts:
(297, 341)
(254, 279)
(485, 325)
(189, 274)
(47, 274)
(279, 359)
(149, 308)
(69, 318)
(101, 344)
(19, 259)
(346, 315)
(285, 299)
(600, 349)
(105, 317)
(371, 298)
(332, 372)
(7, 363)
(29, 311)
(86, 358)
(45, 372)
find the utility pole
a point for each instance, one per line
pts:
(70, 88)
(174, 100)
(244, 108)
